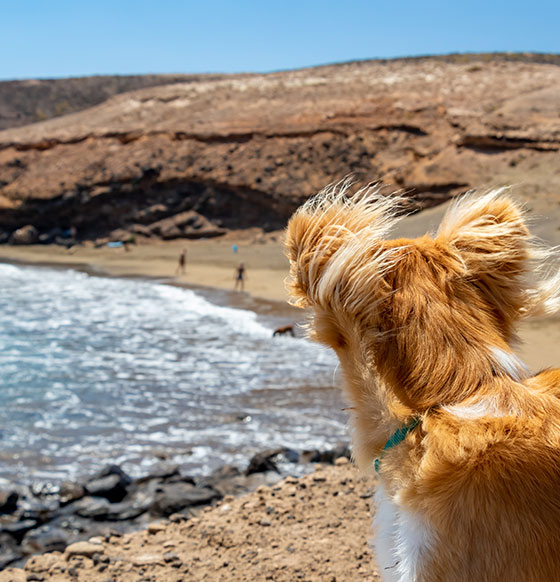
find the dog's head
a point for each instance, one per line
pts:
(433, 316)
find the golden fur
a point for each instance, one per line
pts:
(423, 329)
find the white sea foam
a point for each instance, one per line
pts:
(97, 369)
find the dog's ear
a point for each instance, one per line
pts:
(330, 237)
(488, 231)
(491, 239)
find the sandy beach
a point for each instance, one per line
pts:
(209, 263)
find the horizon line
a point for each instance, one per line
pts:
(443, 55)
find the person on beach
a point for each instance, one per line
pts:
(240, 279)
(182, 262)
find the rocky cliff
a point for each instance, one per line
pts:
(233, 152)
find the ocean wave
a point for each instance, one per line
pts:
(99, 368)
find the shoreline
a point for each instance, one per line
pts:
(210, 268)
(46, 516)
(210, 263)
(37, 519)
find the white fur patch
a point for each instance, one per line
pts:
(402, 540)
(480, 409)
(489, 406)
(509, 363)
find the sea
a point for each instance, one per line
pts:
(97, 370)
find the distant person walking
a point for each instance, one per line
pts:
(181, 263)
(240, 278)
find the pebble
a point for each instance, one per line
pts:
(171, 557)
(86, 549)
(291, 480)
(154, 528)
(100, 559)
(148, 560)
(341, 461)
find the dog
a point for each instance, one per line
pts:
(284, 330)
(465, 441)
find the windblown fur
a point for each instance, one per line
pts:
(424, 328)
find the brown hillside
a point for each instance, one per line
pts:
(244, 151)
(31, 100)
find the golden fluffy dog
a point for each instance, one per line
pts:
(467, 442)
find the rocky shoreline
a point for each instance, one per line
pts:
(314, 528)
(47, 517)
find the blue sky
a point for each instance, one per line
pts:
(61, 38)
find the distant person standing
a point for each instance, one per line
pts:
(240, 278)
(181, 263)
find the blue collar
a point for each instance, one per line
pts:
(396, 438)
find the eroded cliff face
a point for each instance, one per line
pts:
(245, 151)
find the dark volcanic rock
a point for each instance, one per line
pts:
(161, 471)
(26, 235)
(8, 501)
(175, 497)
(47, 538)
(111, 487)
(46, 517)
(9, 550)
(111, 482)
(17, 529)
(113, 470)
(102, 510)
(265, 460)
(328, 456)
(229, 480)
(70, 491)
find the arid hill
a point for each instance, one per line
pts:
(190, 159)
(27, 101)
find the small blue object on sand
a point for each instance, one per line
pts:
(114, 245)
